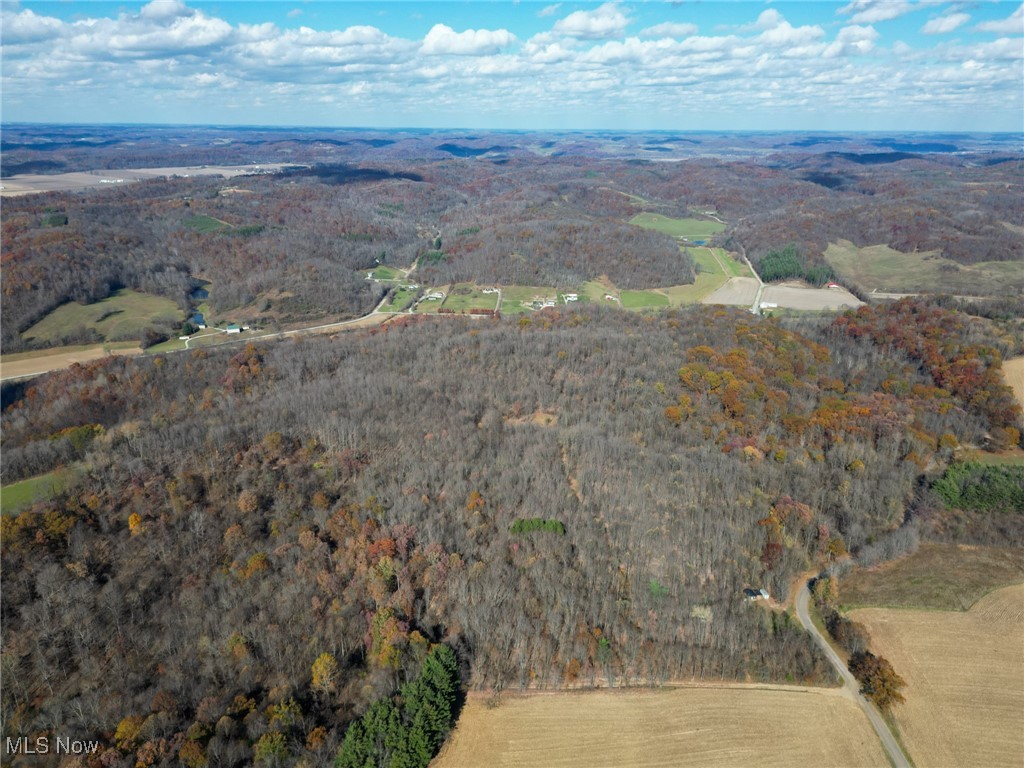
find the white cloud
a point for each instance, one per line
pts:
(670, 29)
(294, 13)
(443, 39)
(549, 10)
(27, 27)
(944, 24)
(161, 10)
(873, 11)
(1011, 25)
(603, 22)
(779, 32)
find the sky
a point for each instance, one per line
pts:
(861, 65)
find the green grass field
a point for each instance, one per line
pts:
(516, 299)
(124, 315)
(386, 273)
(203, 223)
(400, 299)
(944, 577)
(466, 296)
(643, 299)
(432, 305)
(17, 496)
(691, 229)
(879, 267)
(1013, 458)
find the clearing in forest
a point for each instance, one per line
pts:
(643, 299)
(880, 268)
(123, 315)
(16, 496)
(204, 223)
(965, 679)
(466, 296)
(689, 229)
(385, 273)
(677, 727)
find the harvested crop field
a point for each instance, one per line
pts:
(724, 726)
(789, 296)
(965, 679)
(20, 365)
(738, 291)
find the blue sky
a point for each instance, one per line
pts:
(783, 65)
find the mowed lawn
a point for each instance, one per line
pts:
(386, 273)
(125, 314)
(965, 679)
(691, 229)
(879, 267)
(642, 299)
(670, 728)
(465, 296)
(516, 299)
(400, 300)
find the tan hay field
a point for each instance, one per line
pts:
(965, 679)
(795, 296)
(738, 291)
(1013, 370)
(726, 726)
(30, 366)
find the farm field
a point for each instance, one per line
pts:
(707, 727)
(941, 577)
(806, 298)
(125, 314)
(20, 364)
(16, 496)
(880, 268)
(965, 679)
(643, 299)
(690, 229)
(737, 291)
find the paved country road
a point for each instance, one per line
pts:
(892, 748)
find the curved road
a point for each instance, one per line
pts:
(893, 750)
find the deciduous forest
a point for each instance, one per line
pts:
(265, 541)
(306, 550)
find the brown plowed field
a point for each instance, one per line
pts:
(726, 726)
(965, 679)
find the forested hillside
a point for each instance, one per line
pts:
(265, 541)
(523, 209)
